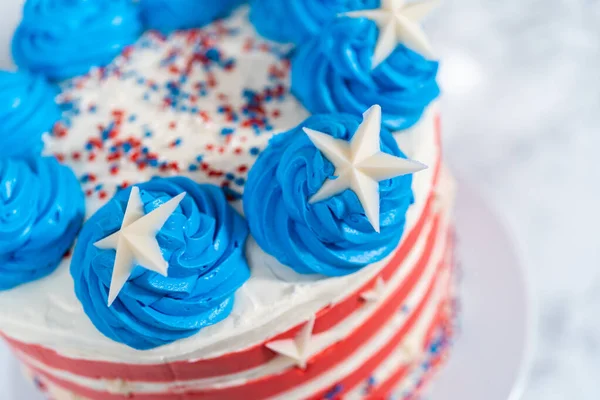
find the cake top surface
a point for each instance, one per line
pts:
(185, 115)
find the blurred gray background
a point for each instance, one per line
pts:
(521, 81)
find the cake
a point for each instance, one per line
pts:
(218, 200)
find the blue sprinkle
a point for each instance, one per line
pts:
(132, 117)
(254, 151)
(199, 158)
(148, 134)
(193, 167)
(240, 181)
(146, 96)
(227, 131)
(153, 162)
(194, 110)
(141, 80)
(145, 150)
(89, 146)
(126, 147)
(229, 176)
(213, 54)
(98, 187)
(333, 392)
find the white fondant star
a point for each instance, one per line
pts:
(375, 293)
(398, 22)
(300, 348)
(136, 242)
(360, 164)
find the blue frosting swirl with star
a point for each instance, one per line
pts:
(66, 38)
(332, 73)
(332, 237)
(170, 15)
(41, 210)
(27, 110)
(203, 242)
(294, 21)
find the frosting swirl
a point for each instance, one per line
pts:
(27, 110)
(170, 15)
(65, 38)
(302, 19)
(203, 242)
(332, 237)
(41, 211)
(332, 73)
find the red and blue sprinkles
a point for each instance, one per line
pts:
(195, 103)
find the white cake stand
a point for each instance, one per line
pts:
(492, 354)
(493, 347)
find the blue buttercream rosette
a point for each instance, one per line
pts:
(332, 237)
(66, 38)
(295, 21)
(332, 72)
(170, 15)
(41, 211)
(202, 241)
(27, 110)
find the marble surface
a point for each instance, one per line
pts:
(521, 82)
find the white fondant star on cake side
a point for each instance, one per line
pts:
(398, 22)
(136, 242)
(375, 293)
(360, 164)
(300, 348)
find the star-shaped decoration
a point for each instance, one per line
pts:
(375, 293)
(360, 164)
(398, 22)
(298, 349)
(136, 242)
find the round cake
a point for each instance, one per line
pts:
(218, 200)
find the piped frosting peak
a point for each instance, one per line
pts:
(202, 241)
(27, 110)
(333, 72)
(65, 38)
(170, 15)
(333, 236)
(295, 21)
(41, 211)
